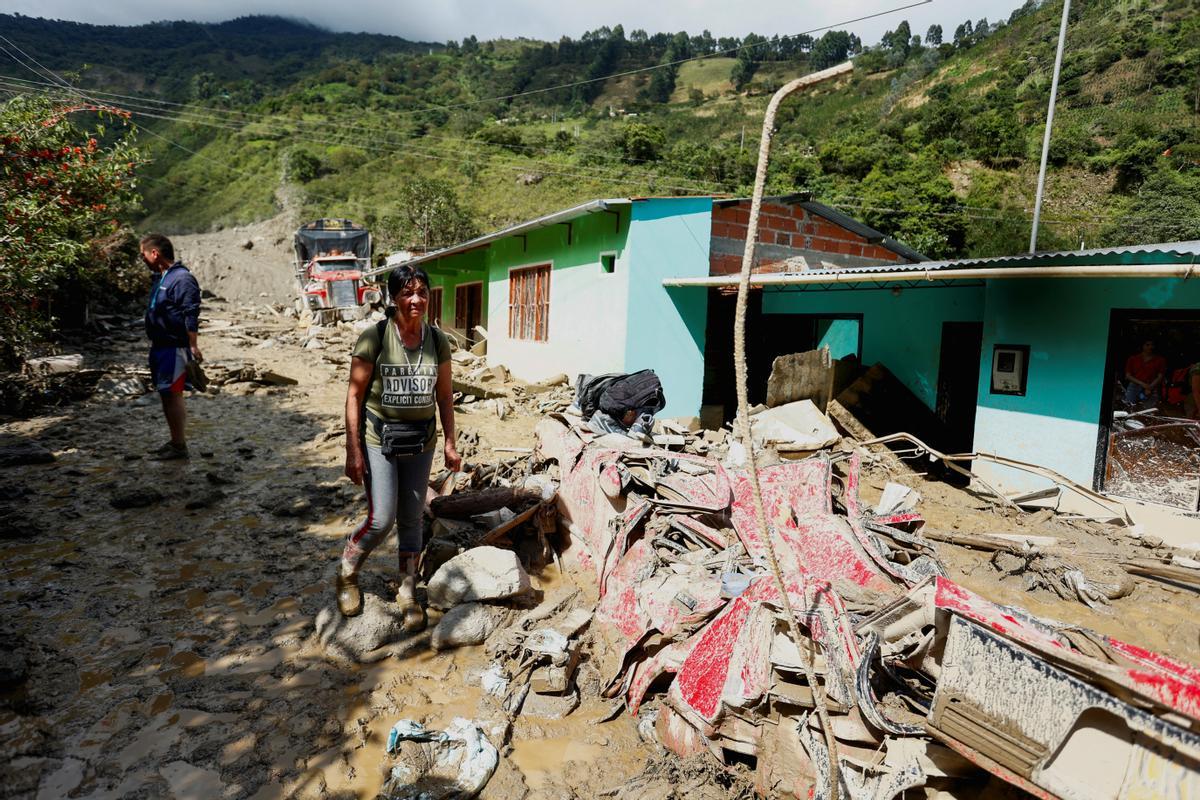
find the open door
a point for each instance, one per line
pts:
(468, 308)
(1149, 443)
(958, 383)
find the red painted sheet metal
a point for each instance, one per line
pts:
(1011, 622)
(701, 679)
(812, 540)
(1171, 682)
(666, 660)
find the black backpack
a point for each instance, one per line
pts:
(640, 391)
(589, 388)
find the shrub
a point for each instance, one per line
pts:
(62, 197)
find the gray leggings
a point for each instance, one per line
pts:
(396, 489)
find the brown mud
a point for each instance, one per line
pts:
(168, 650)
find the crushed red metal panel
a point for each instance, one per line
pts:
(693, 618)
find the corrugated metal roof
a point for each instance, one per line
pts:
(1131, 255)
(803, 199)
(1162, 253)
(1168, 259)
(566, 215)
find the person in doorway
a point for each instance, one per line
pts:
(399, 374)
(1144, 373)
(172, 321)
(1191, 403)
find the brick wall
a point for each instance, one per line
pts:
(789, 232)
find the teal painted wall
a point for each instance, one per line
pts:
(903, 331)
(840, 336)
(669, 237)
(1065, 322)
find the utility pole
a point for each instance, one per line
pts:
(1041, 184)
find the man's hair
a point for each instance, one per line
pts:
(160, 243)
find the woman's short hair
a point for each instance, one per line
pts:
(403, 275)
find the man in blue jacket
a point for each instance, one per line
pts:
(172, 320)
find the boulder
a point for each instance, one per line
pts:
(379, 623)
(470, 623)
(483, 573)
(21, 453)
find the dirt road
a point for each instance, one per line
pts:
(168, 649)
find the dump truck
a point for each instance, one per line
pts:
(331, 257)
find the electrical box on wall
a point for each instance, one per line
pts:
(1010, 368)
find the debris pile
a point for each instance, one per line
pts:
(924, 683)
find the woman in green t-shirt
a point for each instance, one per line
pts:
(399, 377)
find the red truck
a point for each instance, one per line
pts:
(331, 257)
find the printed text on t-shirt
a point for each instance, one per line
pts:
(405, 386)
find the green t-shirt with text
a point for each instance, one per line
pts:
(404, 386)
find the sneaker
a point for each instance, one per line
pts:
(169, 452)
(349, 596)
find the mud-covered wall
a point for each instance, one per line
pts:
(1065, 323)
(901, 327)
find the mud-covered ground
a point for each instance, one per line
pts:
(167, 647)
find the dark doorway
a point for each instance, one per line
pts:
(1148, 446)
(468, 308)
(958, 383)
(768, 336)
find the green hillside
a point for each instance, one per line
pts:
(935, 143)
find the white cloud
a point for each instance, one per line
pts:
(439, 20)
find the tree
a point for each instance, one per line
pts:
(830, 49)
(962, 35)
(933, 36)
(899, 40)
(62, 196)
(748, 59)
(428, 214)
(640, 143)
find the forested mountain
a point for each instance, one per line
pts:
(934, 137)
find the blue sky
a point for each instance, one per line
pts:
(439, 20)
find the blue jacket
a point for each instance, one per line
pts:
(173, 308)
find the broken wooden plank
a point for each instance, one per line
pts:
(465, 505)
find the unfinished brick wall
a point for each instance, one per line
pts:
(787, 234)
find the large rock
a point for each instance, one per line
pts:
(20, 453)
(483, 573)
(468, 624)
(379, 623)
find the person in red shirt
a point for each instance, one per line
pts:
(1144, 373)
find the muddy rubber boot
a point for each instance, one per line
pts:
(414, 614)
(349, 596)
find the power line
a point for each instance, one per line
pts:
(664, 65)
(683, 184)
(600, 177)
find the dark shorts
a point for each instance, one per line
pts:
(168, 368)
